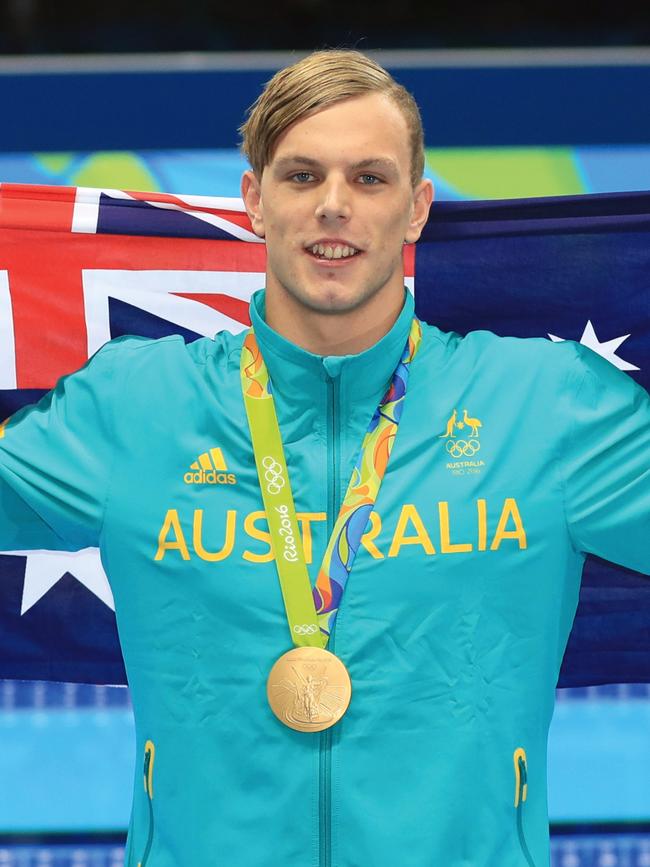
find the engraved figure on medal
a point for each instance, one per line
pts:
(302, 695)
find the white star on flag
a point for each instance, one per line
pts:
(607, 349)
(44, 569)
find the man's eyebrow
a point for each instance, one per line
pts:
(379, 162)
(286, 162)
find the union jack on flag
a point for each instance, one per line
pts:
(80, 266)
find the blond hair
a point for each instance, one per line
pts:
(319, 80)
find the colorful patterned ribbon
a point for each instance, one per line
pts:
(311, 615)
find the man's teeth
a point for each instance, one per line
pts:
(335, 252)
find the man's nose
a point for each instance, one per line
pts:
(334, 200)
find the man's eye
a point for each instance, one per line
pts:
(301, 177)
(370, 180)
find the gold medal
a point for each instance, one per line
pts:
(309, 689)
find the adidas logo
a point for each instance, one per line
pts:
(209, 469)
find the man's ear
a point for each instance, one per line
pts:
(422, 199)
(251, 193)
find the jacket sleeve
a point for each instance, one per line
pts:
(606, 462)
(55, 462)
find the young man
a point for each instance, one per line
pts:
(400, 717)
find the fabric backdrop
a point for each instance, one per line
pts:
(80, 266)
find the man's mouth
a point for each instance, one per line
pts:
(333, 251)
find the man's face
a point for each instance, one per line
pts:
(335, 205)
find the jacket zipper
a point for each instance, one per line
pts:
(149, 755)
(326, 735)
(521, 793)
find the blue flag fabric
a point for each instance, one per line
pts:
(113, 263)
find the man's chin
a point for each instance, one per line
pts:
(330, 298)
(332, 303)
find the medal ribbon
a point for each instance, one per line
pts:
(311, 613)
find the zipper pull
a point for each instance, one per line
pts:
(521, 775)
(149, 755)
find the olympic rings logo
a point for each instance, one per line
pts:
(306, 628)
(273, 475)
(457, 448)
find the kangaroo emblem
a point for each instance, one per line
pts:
(473, 423)
(451, 423)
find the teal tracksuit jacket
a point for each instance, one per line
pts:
(513, 459)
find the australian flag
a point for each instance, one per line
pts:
(80, 266)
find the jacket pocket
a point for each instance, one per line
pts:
(149, 755)
(521, 793)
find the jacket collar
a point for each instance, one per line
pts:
(291, 367)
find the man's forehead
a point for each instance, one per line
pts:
(364, 128)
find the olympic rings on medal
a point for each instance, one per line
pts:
(456, 448)
(273, 475)
(306, 628)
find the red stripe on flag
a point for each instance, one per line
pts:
(235, 308)
(409, 260)
(31, 206)
(240, 218)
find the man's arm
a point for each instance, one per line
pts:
(55, 461)
(606, 462)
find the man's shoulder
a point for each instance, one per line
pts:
(128, 348)
(483, 345)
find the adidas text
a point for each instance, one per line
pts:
(209, 477)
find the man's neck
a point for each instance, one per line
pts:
(333, 334)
